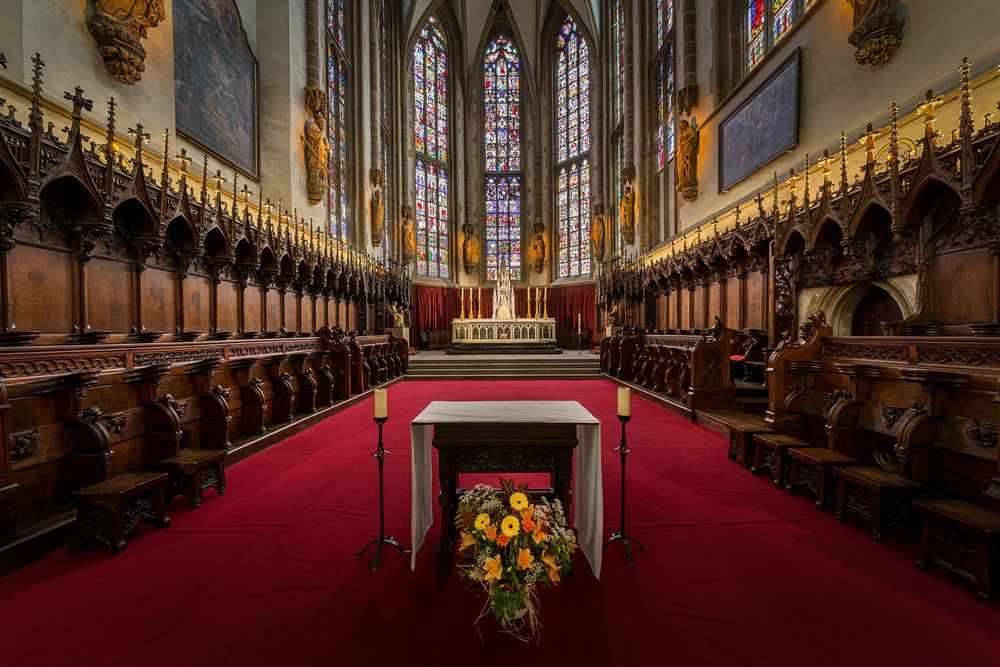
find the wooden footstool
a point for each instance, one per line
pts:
(772, 454)
(741, 433)
(962, 538)
(812, 468)
(881, 498)
(194, 470)
(109, 510)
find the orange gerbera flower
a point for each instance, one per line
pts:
(524, 559)
(528, 525)
(503, 540)
(493, 569)
(467, 540)
(491, 532)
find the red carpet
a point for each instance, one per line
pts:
(739, 573)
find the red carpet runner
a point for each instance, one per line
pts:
(739, 573)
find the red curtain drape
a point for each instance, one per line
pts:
(433, 309)
(568, 302)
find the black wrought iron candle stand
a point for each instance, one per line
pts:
(623, 450)
(380, 453)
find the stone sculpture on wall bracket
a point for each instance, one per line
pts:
(597, 234)
(408, 234)
(536, 252)
(878, 30)
(470, 248)
(317, 148)
(118, 27)
(688, 137)
(378, 207)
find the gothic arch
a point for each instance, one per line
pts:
(840, 302)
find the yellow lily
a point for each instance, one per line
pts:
(493, 569)
(524, 558)
(467, 540)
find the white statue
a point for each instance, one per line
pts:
(503, 293)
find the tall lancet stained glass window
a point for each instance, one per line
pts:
(502, 148)
(338, 100)
(430, 100)
(573, 150)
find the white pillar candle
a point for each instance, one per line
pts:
(579, 322)
(382, 404)
(624, 406)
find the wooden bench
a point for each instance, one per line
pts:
(192, 471)
(812, 468)
(962, 538)
(109, 510)
(881, 498)
(772, 454)
(742, 429)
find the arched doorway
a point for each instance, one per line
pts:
(875, 307)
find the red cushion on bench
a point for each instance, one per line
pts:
(736, 357)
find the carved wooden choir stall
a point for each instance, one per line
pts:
(151, 331)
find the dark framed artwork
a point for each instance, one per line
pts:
(215, 81)
(763, 127)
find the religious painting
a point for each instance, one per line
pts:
(215, 81)
(763, 127)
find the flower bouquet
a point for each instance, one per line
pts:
(509, 545)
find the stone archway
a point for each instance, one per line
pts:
(875, 308)
(841, 302)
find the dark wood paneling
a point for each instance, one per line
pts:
(42, 282)
(961, 283)
(159, 300)
(110, 288)
(755, 300)
(197, 296)
(228, 307)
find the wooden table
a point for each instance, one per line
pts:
(557, 437)
(498, 448)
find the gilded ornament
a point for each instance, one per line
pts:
(118, 27)
(377, 208)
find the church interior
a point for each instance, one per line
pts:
(680, 320)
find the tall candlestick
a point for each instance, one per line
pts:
(579, 322)
(461, 299)
(382, 404)
(624, 405)
(545, 303)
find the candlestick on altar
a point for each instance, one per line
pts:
(545, 302)
(480, 303)
(462, 300)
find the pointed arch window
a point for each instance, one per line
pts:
(338, 72)
(766, 22)
(619, 47)
(573, 150)
(665, 83)
(502, 150)
(385, 117)
(430, 100)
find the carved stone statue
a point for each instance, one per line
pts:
(627, 215)
(317, 150)
(536, 253)
(597, 234)
(687, 160)
(398, 319)
(878, 30)
(408, 235)
(378, 216)
(118, 27)
(470, 248)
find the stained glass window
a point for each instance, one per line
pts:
(572, 150)
(430, 90)
(337, 73)
(432, 219)
(619, 155)
(430, 79)
(386, 116)
(664, 20)
(665, 86)
(618, 51)
(502, 148)
(767, 22)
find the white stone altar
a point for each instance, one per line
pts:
(507, 331)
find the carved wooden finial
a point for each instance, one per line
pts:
(868, 139)
(184, 160)
(217, 181)
(926, 109)
(826, 167)
(140, 137)
(35, 116)
(79, 104)
(965, 122)
(805, 194)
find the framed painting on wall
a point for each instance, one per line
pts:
(763, 127)
(215, 81)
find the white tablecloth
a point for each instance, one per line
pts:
(588, 497)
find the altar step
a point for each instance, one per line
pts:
(564, 367)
